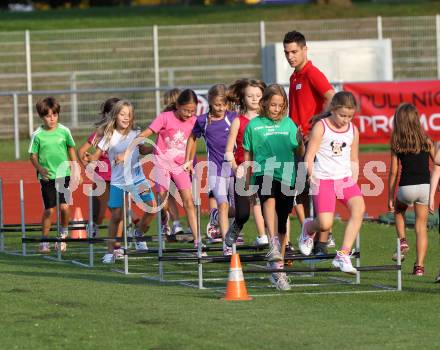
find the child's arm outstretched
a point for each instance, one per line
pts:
(190, 153)
(435, 177)
(354, 155)
(392, 180)
(232, 139)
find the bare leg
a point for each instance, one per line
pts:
(269, 216)
(399, 216)
(190, 209)
(356, 206)
(421, 212)
(46, 221)
(65, 214)
(223, 218)
(115, 221)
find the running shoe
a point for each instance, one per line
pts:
(274, 253)
(177, 229)
(212, 233)
(108, 258)
(404, 248)
(227, 251)
(240, 239)
(232, 234)
(418, 270)
(196, 246)
(61, 245)
(305, 240)
(331, 241)
(343, 262)
(290, 248)
(118, 254)
(140, 245)
(44, 248)
(261, 240)
(279, 279)
(437, 279)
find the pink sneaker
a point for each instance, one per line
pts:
(418, 270)
(343, 263)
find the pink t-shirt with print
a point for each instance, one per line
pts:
(103, 159)
(172, 135)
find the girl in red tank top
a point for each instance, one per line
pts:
(246, 95)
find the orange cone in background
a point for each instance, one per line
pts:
(78, 216)
(236, 288)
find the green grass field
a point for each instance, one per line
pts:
(176, 15)
(51, 305)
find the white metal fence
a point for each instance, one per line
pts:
(168, 56)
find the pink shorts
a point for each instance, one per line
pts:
(325, 193)
(162, 178)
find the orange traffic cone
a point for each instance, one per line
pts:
(78, 216)
(236, 288)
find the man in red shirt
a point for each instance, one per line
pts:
(309, 94)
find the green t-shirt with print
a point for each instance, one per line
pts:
(272, 144)
(51, 147)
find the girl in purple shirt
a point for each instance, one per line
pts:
(214, 128)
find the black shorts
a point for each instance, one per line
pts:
(270, 188)
(49, 192)
(283, 195)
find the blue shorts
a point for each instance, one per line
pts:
(140, 191)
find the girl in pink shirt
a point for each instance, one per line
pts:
(173, 129)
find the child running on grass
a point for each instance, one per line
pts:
(170, 210)
(270, 140)
(102, 172)
(332, 162)
(173, 128)
(214, 128)
(51, 145)
(246, 94)
(411, 148)
(435, 177)
(118, 134)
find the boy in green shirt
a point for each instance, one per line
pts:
(51, 145)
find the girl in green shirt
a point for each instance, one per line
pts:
(271, 141)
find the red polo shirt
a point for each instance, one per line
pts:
(306, 95)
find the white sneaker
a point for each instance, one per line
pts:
(140, 245)
(331, 241)
(61, 245)
(343, 263)
(196, 246)
(274, 253)
(118, 254)
(44, 247)
(261, 240)
(305, 241)
(212, 233)
(279, 279)
(227, 251)
(177, 229)
(108, 258)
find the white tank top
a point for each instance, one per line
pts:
(333, 160)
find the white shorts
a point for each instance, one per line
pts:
(413, 194)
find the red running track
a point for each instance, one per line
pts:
(12, 172)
